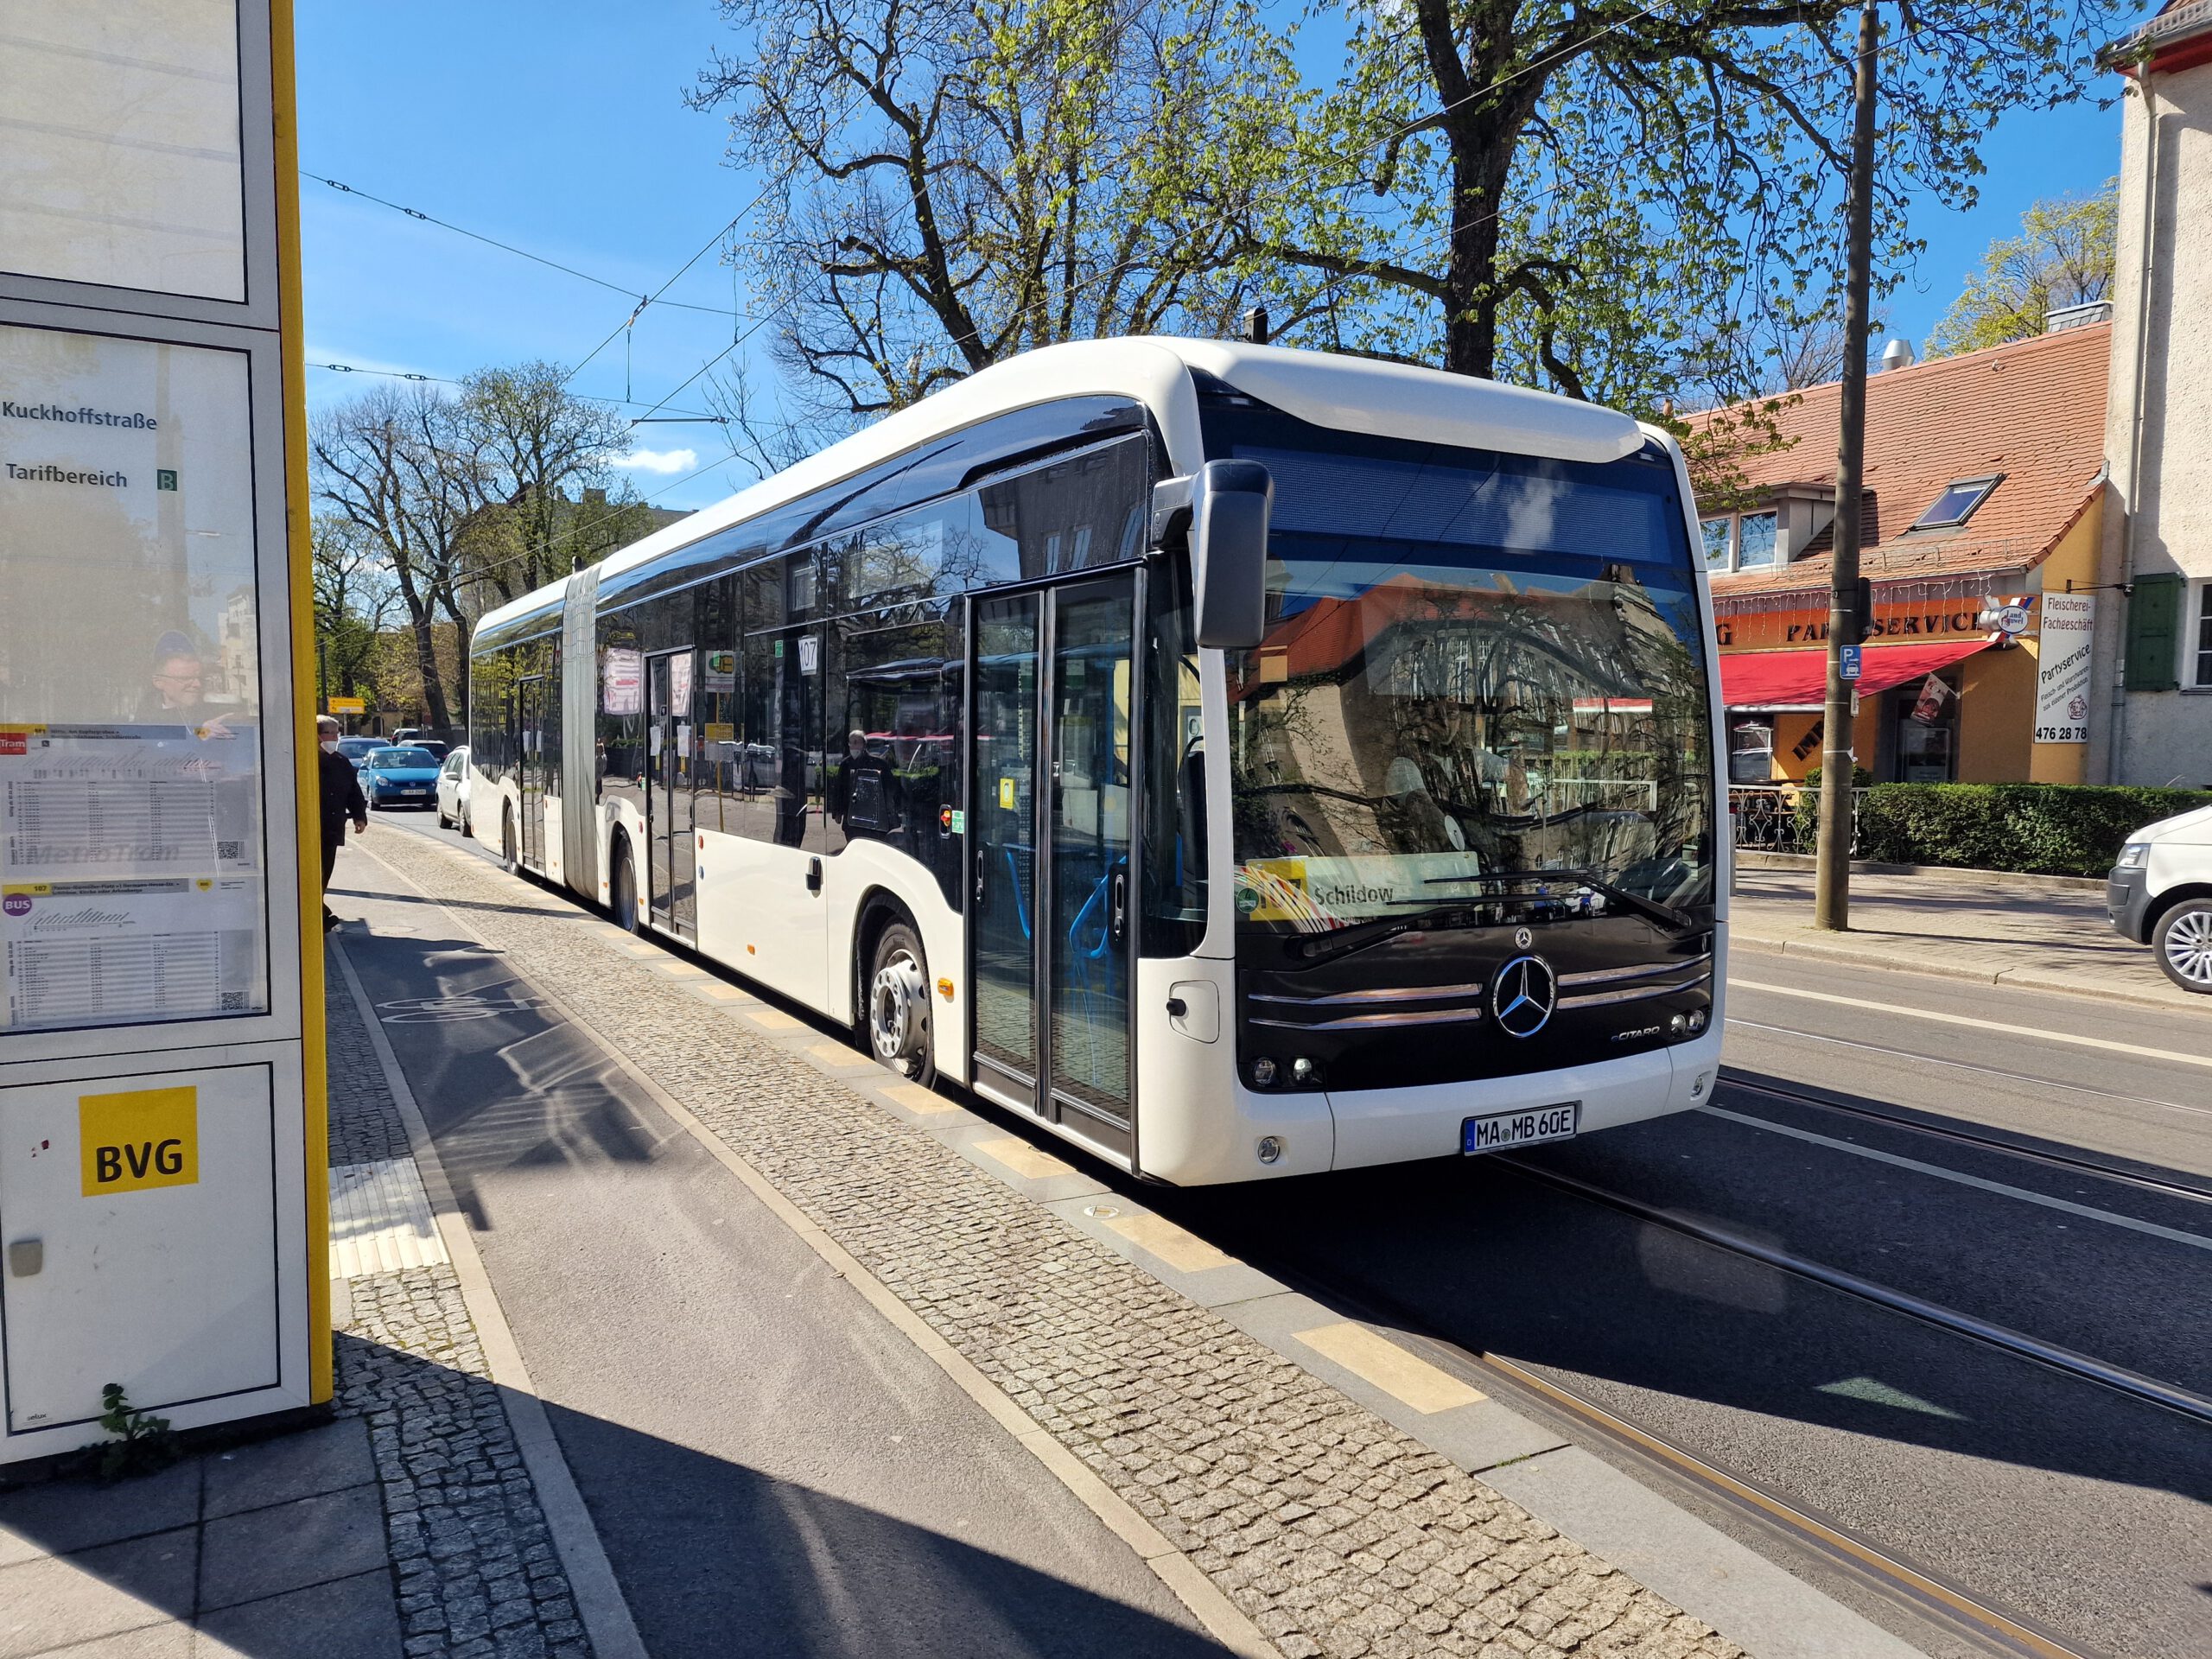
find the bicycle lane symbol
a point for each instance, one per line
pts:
(437, 1010)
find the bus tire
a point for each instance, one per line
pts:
(510, 850)
(897, 1011)
(622, 887)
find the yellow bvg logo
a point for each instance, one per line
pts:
(147, 1137)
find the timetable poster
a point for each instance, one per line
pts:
(132, 885)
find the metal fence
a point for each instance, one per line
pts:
(1766, 817)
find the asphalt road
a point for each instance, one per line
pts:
(2057, 1499)
(772, 1469)
(2084, 1511)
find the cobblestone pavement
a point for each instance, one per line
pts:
(476, 1570)
(1333, 1531)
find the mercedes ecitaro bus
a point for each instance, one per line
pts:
(1247, 761)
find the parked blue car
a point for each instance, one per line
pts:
(400, 777)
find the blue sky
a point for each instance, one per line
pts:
(560, 127)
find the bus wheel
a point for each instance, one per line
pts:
(622, 889)
(509, 855)
(898, 1004)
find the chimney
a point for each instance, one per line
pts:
(1255, 325)
(1898, 354)
(2061, 318)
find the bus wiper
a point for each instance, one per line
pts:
(1343, 941)
(1650, 909)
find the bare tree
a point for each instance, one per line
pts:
(384, 464)
(959, 180)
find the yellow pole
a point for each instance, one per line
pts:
(298, 525)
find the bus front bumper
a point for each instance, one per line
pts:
(1388, 1126)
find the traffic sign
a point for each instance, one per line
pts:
(348, 705)
(1853, 660)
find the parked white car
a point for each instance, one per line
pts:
(453, 792)
(2160, 894)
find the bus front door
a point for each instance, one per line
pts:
(669, 833)
(529, 768)
(1053, 786)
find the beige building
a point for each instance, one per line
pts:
(2151, 714)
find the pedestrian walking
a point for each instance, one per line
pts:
(341, 800)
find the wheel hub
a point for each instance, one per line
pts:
(898, 1012)
(2189, 947)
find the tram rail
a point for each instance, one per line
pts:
(2165, 1184)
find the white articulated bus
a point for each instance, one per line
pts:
(1247, 761)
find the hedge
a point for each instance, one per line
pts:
(2041, 829)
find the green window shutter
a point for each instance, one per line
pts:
(2153, 622)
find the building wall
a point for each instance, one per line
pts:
(2158, 426)
(1997, 714)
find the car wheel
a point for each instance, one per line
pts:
(898, 1012)
(622, 889)
(2184, 942)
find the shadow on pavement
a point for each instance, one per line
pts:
(276, 1548)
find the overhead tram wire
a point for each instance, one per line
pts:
(505, 247)
(680, 416)
(760, 196)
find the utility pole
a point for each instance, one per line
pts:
(1832, 889)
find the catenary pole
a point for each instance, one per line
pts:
(1832, 891)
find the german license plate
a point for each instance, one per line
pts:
(1501, 1130)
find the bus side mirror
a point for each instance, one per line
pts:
(1230, 504)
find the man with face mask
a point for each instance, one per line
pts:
(341, 800)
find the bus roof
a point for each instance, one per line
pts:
(1356, 394)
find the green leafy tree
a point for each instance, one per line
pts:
(2063, 256)
(955, 180)
(1625, 201)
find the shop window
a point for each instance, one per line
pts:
(1755, 541)
(1957, 503)
(1720, 536)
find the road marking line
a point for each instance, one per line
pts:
(1377, 1360)
(2198, 1240)
(1023, 1158)
(770, 1019)
(1184, 1251)
(1966, 1065)
(2105, 1043)
(915, 1099)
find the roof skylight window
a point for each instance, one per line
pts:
(1956, 505)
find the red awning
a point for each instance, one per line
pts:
(1784, 679)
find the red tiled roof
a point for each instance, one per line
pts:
(2033, 410)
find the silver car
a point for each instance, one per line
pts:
(453, 792)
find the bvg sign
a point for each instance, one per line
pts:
(130, 1142)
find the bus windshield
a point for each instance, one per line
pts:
(1482, 676)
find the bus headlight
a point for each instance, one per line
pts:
(1302, 1071)
(1698, 1017)
(1264, 1073)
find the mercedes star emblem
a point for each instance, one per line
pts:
(1523, 996)
(1522, 939)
